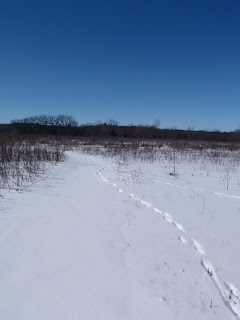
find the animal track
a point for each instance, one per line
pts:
(179, 226)
(198, 246)
(233, 290)
(226, 195)
(168, 219)
(158, 211)
(231, 296)
(183, 240)
(198, 189)
(146, 204)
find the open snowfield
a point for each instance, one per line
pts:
(100, 238)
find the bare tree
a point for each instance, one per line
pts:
(156, 123)
(66, 121)
(48, 120)
(112, 122)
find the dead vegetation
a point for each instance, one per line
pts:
(174, 158)
(24, 157)
(157, 150)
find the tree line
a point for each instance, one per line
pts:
(60, 120)
(67, 125)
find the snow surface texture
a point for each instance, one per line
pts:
(160, 247)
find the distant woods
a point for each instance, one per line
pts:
(67, 125)
(61, 120)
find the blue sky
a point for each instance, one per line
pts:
(133, 61)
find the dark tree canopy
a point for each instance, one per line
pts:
(67, 125)
(60, 120)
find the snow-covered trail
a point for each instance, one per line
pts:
(62, 252)
(227, 291)
(74, 247)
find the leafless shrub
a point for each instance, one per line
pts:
(224, 155)
(22, 158)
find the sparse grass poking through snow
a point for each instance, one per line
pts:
(22, 158)
(174, 157)
(222, 155)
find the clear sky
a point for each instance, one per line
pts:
(133, 61)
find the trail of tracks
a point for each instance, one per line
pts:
(228, 292)
(199, 189)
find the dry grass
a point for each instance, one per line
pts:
(22, 158)
(225, 155)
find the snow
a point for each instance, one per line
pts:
(99, 239)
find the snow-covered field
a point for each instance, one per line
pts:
(103, 238)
